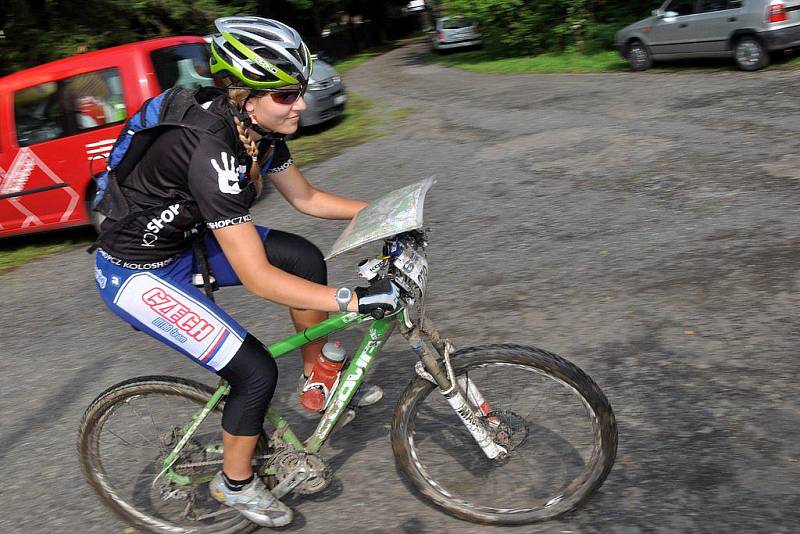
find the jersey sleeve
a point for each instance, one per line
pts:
(281, 159)
(217, 185)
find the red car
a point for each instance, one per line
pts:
(58, 122)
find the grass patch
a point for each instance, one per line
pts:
(482, 62)
(787, 61)
(361, 122)
(16, 251)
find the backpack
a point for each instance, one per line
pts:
(176, 107)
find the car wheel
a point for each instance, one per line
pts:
(750, 54)
(639, 57)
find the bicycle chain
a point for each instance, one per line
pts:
(214, 462)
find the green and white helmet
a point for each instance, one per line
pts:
(260, 53)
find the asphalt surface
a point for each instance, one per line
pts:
(645, 226)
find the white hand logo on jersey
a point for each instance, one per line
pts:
(228, 176)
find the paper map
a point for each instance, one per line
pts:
(393, 213)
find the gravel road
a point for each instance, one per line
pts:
(644, 226)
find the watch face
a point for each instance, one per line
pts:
(344, 293)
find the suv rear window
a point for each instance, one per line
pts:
(182, 65)
(69, 106)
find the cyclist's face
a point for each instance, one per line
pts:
(279, 111)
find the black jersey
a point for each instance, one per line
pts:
(188, 179)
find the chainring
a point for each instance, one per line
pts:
(288, 460)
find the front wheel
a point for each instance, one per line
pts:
(639, 57)
(556, 424)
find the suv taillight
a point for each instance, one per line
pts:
(777, 12)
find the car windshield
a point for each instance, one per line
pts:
(182, 65)
(457, 22)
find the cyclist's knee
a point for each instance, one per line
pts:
(252, 375)
(297, 255)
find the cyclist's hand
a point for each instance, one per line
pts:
(379, 298)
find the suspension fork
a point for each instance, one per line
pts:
(443, 347)
(471, 407)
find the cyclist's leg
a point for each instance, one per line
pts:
(164, 304)
(293, 254)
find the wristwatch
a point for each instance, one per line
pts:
(343, 296)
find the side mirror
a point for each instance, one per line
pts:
(670, 14)
(657, 13)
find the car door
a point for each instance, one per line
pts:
(63, 127)
(712, 25)
(670, 34)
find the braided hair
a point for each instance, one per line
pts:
(237, 99)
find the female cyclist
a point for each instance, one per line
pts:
(194, 183)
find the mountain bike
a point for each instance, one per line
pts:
(496, 434)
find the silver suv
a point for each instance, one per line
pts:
(748, 30)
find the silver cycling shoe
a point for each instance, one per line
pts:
(367, 395)
(254, 501)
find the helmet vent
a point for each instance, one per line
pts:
(264, 34)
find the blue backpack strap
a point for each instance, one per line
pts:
(147, 116)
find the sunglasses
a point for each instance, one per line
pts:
(285, 97)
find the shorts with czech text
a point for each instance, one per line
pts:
(164, 304)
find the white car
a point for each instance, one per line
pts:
(455, 32)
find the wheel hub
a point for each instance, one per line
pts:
(508, 429)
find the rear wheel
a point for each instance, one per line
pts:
(639, 57)
(123, 439)
(553, 420)
(750, 54)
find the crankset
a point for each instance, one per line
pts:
(301, 472)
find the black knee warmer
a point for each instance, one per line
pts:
(296, 255)
(252, 375)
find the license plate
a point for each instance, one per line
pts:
(339, 99)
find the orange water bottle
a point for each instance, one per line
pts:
(324, 377)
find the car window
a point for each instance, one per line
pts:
(681, 7)
(182, 65)
(94, 99)
(38, 114)
(705, 6)
(58, 108)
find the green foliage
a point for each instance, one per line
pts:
(39, 31)
(524, 27)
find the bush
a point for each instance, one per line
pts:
(525, 27)
(600, 36)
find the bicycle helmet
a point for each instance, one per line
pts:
(260, 53)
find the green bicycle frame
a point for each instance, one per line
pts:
(374, 339)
